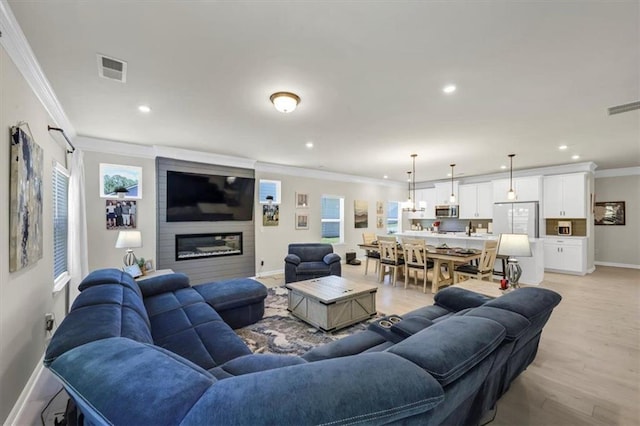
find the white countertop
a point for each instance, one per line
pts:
(454, 235)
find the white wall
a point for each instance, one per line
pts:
(272, 241)
(619, 245)
(102, 251)
(25, 295)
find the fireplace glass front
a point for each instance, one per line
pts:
(192, 246)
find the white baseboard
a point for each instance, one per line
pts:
(618, 265)
(269, 273)
(25, 395)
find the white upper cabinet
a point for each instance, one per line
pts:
(565, 196)
(443, 192)
(526, 188)
(476, 201)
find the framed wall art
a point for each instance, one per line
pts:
(609, 213)
(361, 214)
(25, 217)
(270, 214)
(302, 220)
(121, 214)
(379, 207)
(302, 200)
(115, 177)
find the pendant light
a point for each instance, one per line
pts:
(452, 197)
(411, 204)
(511, 195)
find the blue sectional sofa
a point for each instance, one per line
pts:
(157, 352)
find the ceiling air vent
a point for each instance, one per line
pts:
(112, 69)
(624, 108)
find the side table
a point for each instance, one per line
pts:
(156, 273)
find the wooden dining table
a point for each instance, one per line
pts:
(446, 256)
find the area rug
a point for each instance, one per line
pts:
(279, 332)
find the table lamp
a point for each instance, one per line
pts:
(513, 245)
(129, 240)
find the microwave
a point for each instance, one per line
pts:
(447, 211)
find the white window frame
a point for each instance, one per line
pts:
(61, 280)
(398, 218)
(278, 196)
(340, 220)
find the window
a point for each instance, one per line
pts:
(332, 219)
(269, 188)
(393, 217)
(60, 225)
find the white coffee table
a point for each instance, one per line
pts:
(330, 303)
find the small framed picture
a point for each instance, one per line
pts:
(302, 200)
(609, 213)
(133, 270)
(148, 265)
(379, 207)
(302, 220)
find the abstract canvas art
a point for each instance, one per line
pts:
(25, 218)
(361, 214)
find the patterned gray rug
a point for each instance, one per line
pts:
(279, 332)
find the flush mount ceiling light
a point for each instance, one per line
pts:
(511, 195)
(309, 144)
(575, 157)
(285, 101)
(450, 88)
(452, 197)
(144, 108)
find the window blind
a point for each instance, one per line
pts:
(60, 220)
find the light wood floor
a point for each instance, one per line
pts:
(587, 371)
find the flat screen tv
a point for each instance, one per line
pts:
(194, 197)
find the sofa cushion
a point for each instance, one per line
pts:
(100, 312)
(448, 349)
(311, 252)
(163, 284)
(228, 294)
(311, 268)
(254, 363)
(119, 381)
(410, 326)
(109, 276)
(456, 299)
(515, 324)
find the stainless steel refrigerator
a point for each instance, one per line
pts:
(516, 218)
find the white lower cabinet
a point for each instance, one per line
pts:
(566, 255)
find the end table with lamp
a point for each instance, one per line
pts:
(129, 240)
(514, 245)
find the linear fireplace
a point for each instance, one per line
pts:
(196, 246)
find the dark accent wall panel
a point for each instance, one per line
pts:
(207, 269)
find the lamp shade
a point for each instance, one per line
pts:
(516, 245)
(129, 239)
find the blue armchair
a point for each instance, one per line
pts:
(310, 260)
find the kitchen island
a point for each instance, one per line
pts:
(532, 267)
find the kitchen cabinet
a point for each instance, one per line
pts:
(526, 188)
(565, 255)
(475, 201)
(565, 196)
(443, 192)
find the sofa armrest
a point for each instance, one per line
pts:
(163, 284)
(331, 258)
(335, 391)
(293, 259)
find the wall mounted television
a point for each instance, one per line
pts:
(195, 197)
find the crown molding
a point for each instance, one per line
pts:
(87, 143)
(628, 171)
(322, 174)
(204, 157)
(19, 50)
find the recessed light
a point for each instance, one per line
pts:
(450, 88)
(385, 177)
(309, 145)
(575, 157)
(503, 167)
(144, 108)
(563, 147)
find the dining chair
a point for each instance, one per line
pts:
(415, 260)
(370, 238)
(484, 269)
(390, 260)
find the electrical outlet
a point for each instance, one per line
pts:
(49, 320)
(262, 263)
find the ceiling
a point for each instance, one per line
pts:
(530, 76)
